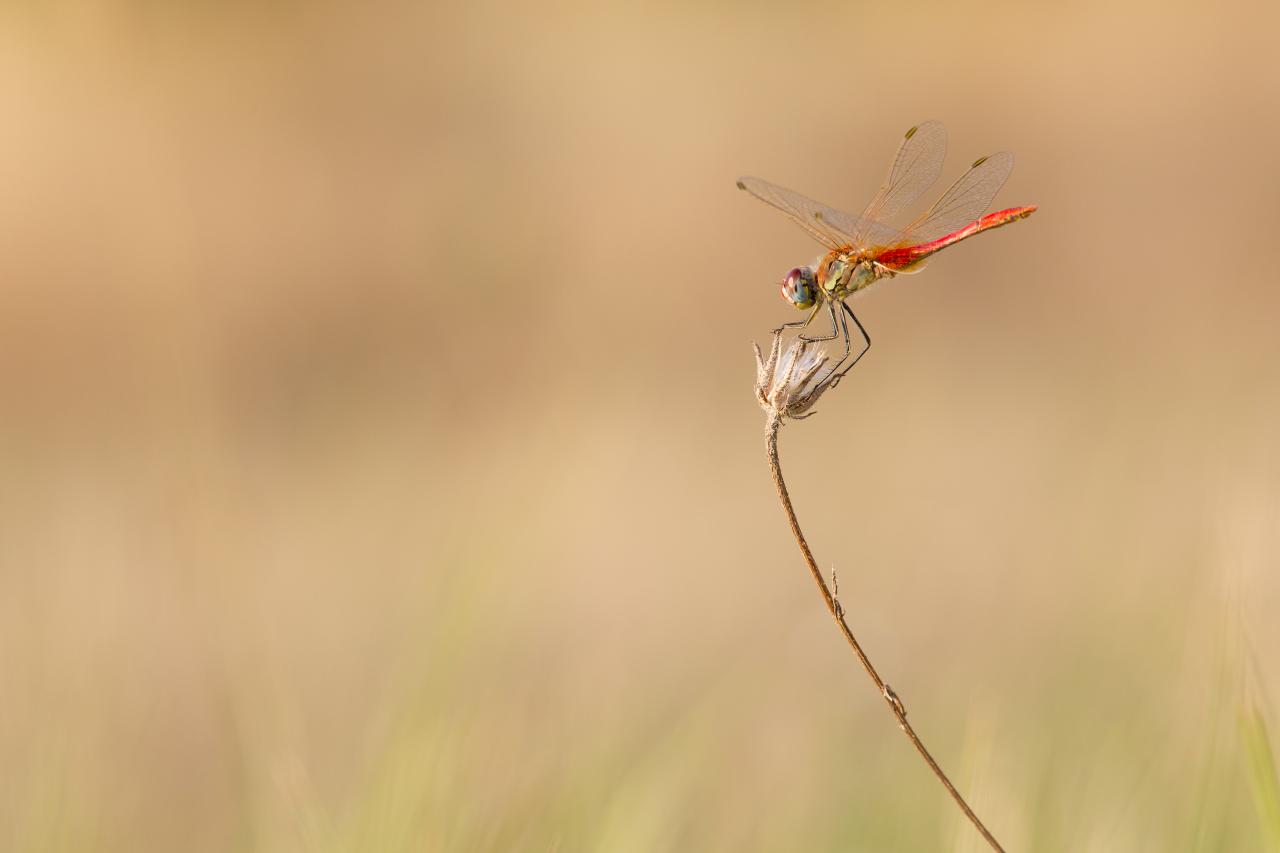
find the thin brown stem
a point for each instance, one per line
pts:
(837, 613)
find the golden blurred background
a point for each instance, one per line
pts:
(381, 469)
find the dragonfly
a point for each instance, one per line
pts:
(865, 249)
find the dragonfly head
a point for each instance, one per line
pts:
(800, 287)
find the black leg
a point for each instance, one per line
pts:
(835, 328)
(801, 323)
(848, 344)
(865, 337)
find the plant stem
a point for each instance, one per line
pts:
(837, 613)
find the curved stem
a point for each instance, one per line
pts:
(837, 613)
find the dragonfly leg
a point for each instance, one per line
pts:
(848, 344)
(835, 328)
(867, 338)
(801, 323)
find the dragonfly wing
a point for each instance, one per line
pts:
(813, 216)
(915, 168)
(965, 201)
(861, 233)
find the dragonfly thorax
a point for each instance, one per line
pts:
(842, 273)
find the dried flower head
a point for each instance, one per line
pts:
(789, 382)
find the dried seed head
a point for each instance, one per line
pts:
(790, 381)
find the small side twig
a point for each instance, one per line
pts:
(837, 613)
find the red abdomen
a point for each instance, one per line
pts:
(901, 257)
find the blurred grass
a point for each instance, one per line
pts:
(1256, 746)
(381, 469)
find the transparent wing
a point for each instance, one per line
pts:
(915, 168)
(865, 233)
(813, 216)
(966, 200)
(833, 228)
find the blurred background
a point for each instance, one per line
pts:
(381, 469)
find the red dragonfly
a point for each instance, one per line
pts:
(863, 250)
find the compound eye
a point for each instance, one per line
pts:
(800, 287)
